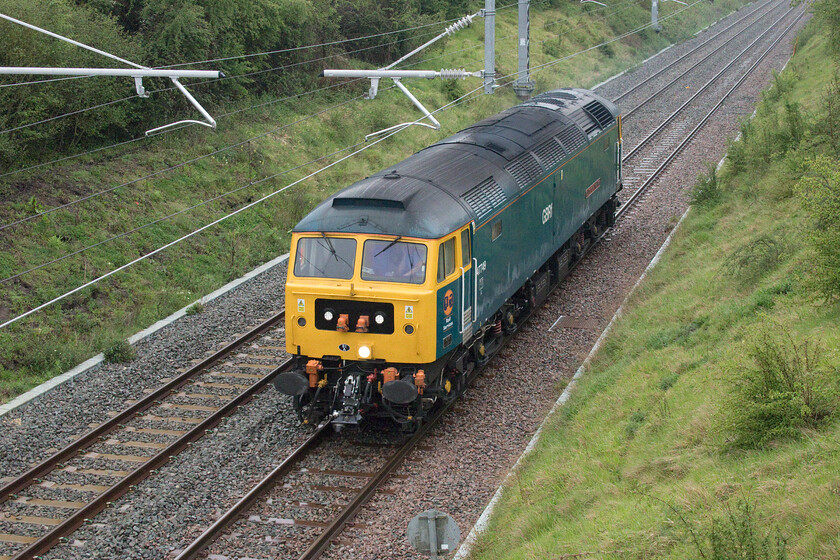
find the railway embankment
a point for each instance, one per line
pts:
(706, 426)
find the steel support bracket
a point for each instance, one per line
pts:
(387, 72)
(138, 85)
(138, 72)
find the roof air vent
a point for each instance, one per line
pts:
(484, 198)
(525, 169)
(392, 175)
(600, 113)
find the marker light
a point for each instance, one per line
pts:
(379, 318)
(364, 352)
(328, 315)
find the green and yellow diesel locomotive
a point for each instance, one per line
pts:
(401, 284)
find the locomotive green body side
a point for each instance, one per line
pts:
(530, 229)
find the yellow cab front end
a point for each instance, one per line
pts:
(386, 311)
(360, 320)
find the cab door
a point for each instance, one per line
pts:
(467, 282)
(449, 285)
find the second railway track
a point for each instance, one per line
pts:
(104, 463)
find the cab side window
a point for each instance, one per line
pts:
(465, 248)
(446, 259)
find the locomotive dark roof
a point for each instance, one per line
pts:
(470, 174)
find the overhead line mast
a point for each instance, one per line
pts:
(524, 86)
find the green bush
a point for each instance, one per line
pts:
(195, 308)
(819, 191)
(637, 419)
(827, 125)
(668, 381)
(759, 256)
(827, 12)
(787, 387)
(24, 105)
(706, 190)
(779, 128)
(119, 352)
(736, 535)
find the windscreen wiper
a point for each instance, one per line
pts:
(388, 246)
(332, 249)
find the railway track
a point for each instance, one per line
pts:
(322, 485)
(317, 499)
(650, 156)
(704, 51)
(107, 461)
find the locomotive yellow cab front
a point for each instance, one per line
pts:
(362, 322)
(360, 298)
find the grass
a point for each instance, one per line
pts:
(82, 325)
(646, 460)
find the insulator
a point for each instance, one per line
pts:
(453, 74)
(460, 24)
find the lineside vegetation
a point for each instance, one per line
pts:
(707, 426)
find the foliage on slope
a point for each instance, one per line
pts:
(162, 32)
(707, 426)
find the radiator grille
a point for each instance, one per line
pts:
(572, 139)
(583, 120)
(600, 113)
(550, 152)
(525, 169)
(484, 197)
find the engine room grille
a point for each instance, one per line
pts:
(548, 98)
(525, 169)
(586, 122)
(572, 139)
(600, 113)
(484, 197)
(550, 152)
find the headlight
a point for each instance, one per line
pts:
(409, 329)
(302, 322)
(364, 352)
(328, 315)
(379, 318)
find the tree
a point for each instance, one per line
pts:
(23, 105)
(819, 191)
(828, 13)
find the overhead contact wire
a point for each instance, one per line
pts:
(455, 102)
(328, 44)
(265, 53)
(464, 99)
(173, 215)
(230, 77)
(173, 167)
(226, 217)
(33, 216)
